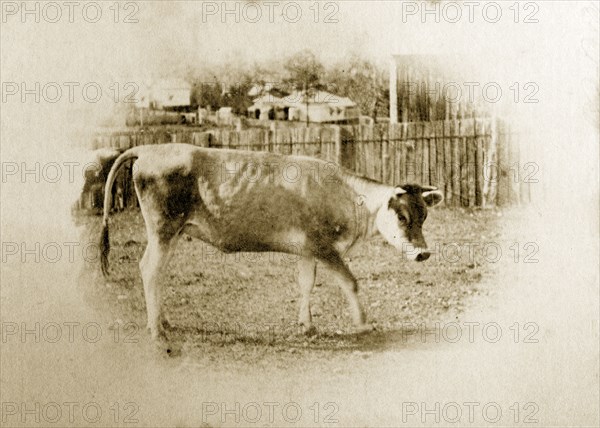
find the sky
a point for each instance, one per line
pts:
(552, 61)
(170, 37)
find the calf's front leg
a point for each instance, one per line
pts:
(349, 286)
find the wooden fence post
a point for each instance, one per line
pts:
(514, 161)
(337, 140)
(490, 166)
(447, 162)
(503, 179)
(456, 162)
(432, 155)
(463, 177)
(479, 165)
(427, 134)
(440, 143)
(410, 153)
(471, 159)
(400, 134)
(383, 156)
(419, 152)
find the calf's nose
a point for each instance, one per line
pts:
(421, 257)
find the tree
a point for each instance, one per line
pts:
(304, 71)
(363, 82)
(207, 94)
(237, 96)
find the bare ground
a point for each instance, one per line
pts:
(243, 307)
(353, 380)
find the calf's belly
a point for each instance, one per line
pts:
(235, 239)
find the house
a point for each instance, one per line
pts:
(163, 101)
(163, 94)
(268, 107)
(316, 107)
(321, 107)
(172, 94)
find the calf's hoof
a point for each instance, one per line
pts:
(364, 328)
(157, 333)
(309, 330)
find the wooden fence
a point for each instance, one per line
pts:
(470, 160)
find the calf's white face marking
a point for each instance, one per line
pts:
(388, 225)
(410, 242)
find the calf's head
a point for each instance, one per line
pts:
(401, 219)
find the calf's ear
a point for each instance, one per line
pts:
(432, 198)
(398, 190)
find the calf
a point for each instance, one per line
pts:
(258, 201)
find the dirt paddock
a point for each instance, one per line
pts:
(243, 306)
(234, 329)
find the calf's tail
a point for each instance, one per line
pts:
(104, 236)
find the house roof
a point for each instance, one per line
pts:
(268, 99)
(297, 99)
(319, 97)
(267, 88)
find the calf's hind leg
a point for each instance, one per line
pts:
(307, 267)
(155, 259)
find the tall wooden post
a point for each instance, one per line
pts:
(393, 91)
